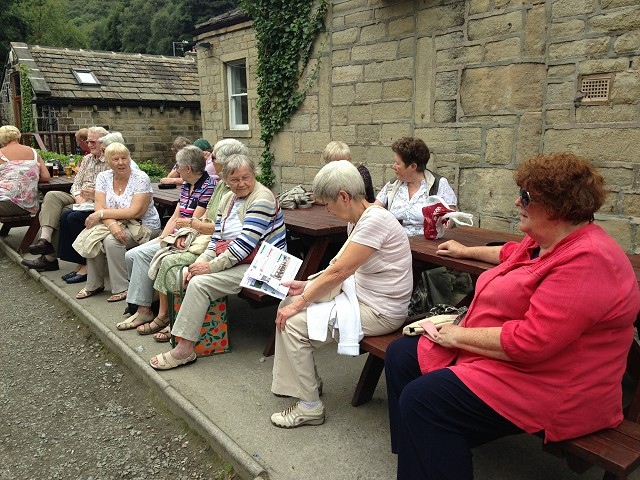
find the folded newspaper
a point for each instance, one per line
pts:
(270, 268)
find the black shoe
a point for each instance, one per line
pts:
(66, 276)
(77, 278)
(41, 247)
(42, 264)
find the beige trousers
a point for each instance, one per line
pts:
(114, 254)
(52, 206)
(294, 367)
(201, 291)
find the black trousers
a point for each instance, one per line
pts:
(71, 224)
(435, 419)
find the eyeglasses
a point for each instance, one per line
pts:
(236, 181)
(92, 142)
(525, 198)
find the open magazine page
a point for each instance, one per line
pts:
(269, 269)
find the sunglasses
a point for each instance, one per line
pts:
(525, 198)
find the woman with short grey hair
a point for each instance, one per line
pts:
(204, 225)
(369, 282)
(192, 157)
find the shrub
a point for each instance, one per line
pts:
(58, 157)
(155, 171)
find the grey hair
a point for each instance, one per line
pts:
(336, 176)
(234, 162)
(191, 156)
(110, 138)
(9, 133)
(227, 147)
(100, 131)
(116, 148)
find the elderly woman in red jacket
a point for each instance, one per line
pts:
(543, 347)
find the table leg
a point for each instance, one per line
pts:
(30, 236)
(368, 380)
(309, 266)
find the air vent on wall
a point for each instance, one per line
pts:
(595, 89)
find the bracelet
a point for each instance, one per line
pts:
(191, 222)
(101, 214)
(305, 300)
(109, 226)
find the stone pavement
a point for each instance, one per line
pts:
(226, 398)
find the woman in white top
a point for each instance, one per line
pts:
(122, 194)
(375, 263)
(406, 196)
(21, 168)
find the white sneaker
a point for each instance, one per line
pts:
(297, 415)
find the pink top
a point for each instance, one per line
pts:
(19, 181)
(567, 324)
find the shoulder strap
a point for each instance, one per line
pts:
(433, 188)
(394, 189)
(35, 154)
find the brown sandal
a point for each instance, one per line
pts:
(153, 326)
(163, 335)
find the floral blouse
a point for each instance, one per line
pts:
(19, 181)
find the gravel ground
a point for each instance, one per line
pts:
(69, 409)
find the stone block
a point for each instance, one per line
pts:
(308, 159)
(579, 48)
(631, 204)
(392, 111)
(292, 174)
(343, 95)
(602, 65)
(605, 4)
(502, 50)
(452, 140)
(596, 144)
(407, 47)
(462, 159)
(397, 89)
(341, 56)
(627, 42)
(358, 18)
(494, 223)
(499, 146)
(390, 132)
(478, 6)
(571, 8)
(495, 25)
(560, 93)
(566, 28)
(600, 114)
(314, 141)
(282, 145)
(623, 20)
(357, 114)
(348, 6)
(561, 71)
(388, 70)
(394, 9)
(368, 134)
(559, 116)
(401, 27)
(626, 88)
(339, 115)
(449, 40)
(460, 55)
(446, 84)
(346, 133)
(368, 92)
(619, 177)
(517, 87)
(425, 69)
(440, 18)
(444, 111)
(491, 191)
(373, 33)
(347, 74)
(529, 134)
(374, 52)
(610, 205)
(535, 28)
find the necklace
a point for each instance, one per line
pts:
(119, 188)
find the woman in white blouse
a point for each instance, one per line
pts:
(406, 196)
(124, 205)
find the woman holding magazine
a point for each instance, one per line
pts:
(247, 216)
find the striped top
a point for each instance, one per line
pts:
(262, 220)
(202, 191)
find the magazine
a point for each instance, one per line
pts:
(270, 269)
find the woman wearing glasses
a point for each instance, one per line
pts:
(544, 345)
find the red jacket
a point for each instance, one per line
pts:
(567, 324)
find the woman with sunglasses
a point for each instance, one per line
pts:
(544, 345)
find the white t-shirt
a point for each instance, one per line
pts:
(384, 282)
(407, 210)
(139, 182)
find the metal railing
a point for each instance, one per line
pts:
(59, 142)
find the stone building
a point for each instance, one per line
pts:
(486, 84)
(151, 99)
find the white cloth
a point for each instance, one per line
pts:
(342, 314)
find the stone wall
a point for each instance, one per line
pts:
(148, 131)
(486, 84)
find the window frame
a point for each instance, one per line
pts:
(232, 68)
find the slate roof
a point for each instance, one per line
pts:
(125, 78)
(227, 19)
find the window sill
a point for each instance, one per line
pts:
(236, 133)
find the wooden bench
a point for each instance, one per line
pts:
(615, 450)
(10, 222)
